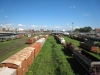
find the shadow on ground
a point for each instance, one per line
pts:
(75, 65)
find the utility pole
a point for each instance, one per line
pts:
(72, 26)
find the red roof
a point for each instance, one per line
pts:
(97, 29)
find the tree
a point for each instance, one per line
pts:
(85, 29)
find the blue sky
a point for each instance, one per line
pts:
(50, 14)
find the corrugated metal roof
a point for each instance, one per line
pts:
(19, 56)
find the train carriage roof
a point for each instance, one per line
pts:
(95, 63)
(93, 38)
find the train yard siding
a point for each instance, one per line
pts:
(10, 47)
(53, 60)
(23, 59)
(77, 43)
(89, 62)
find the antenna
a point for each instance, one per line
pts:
(72, 26)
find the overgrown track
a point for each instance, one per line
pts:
(51, 60)
(74, 64)
(9, 46)
(76, 43)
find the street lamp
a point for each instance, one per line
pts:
(72, 26)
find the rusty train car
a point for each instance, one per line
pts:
(33, 39)
(90, 63)
(90, 45)
(60, 40)
(19, 63)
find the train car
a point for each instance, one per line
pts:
(7, 71)
(41, 36)
(7, 37)
(20, 36)
(30, 40)
(88, 62)
(46, 36)
(60, 40)
(89, 45)
(75, 36)
(93, 38)
(37, 46)
(36, 38)
(20, 61)
(42, 41)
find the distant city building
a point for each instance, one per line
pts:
(41, 30)
(20, 29)
(97, 29)
(0, 29)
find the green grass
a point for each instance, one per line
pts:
(10, 47)
(76, 43)
(11, 53)
(51, 60)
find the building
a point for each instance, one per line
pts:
(0, 29)
(97, 29)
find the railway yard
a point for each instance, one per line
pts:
(50, 54)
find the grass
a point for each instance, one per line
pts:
(10, 47)
(53, 60)
(11, 53)
(76, 43)
(50, 61)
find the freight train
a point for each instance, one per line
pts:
(19, 63)
(60, 39)
(89, 45)
(35, 38)
(90, 63)
(6, 37)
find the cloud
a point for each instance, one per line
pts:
(72, 6)
(86, 14)
(57, 27)
(8, 24)
(20, 29)
(45, 26)
(50, 26)
(1, 10)
(34, 26)
(21, 25)
(6, 16)
(67, 23)
(77, 27)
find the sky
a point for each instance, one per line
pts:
(50, 14)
